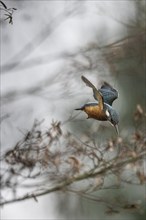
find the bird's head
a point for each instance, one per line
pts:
(113, 117)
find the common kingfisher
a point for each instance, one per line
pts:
(102, 110)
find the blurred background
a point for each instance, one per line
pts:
(43, 55)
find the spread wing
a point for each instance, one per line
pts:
(109, 93)
(96, 94)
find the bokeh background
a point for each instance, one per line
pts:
(43, 55)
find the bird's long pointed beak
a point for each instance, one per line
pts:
(117, 129)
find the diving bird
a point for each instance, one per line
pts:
(102, 110)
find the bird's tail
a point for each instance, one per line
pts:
(79, 108)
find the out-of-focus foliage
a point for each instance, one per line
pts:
(54, 160)
(6, 12)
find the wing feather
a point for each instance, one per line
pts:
(109, 93)
(96, 94)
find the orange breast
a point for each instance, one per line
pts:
(95, 112)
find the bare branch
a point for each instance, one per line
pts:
(55, 159)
